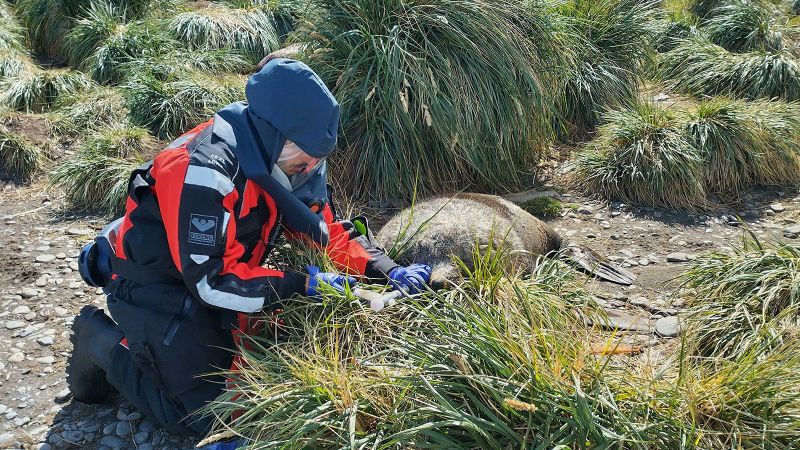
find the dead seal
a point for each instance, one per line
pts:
(436, 229)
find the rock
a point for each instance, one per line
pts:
(44, 446)
(147, 426)
(45, 258)
(112, 441)
(3, 409)
(29, 292)
(585, 210)
(17, 357)
(14, 324)
(644, 262)
(109, 429)
(46, 360)
(619, 320)
(677, 257)
(145, 447)
(141, 437)
(22, 309)
(668, 326)
(134, 416)
(61, 255)
(22, 421)
(90, 426)
(123, 429)
(63, 395)
(6, 440)
(45, 341)
(792, 232)
(79, 231)
(777, 207)
(74, 437)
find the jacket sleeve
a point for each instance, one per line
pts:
(350, 250)
(197, 208)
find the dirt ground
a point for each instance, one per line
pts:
(41, 291)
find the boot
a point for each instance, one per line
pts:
(94, 336)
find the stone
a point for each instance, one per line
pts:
(22, 421)
(61, 255)
(585, 210)
(63, 395)
(27, 292)
(46, 360)
(74, 437)
(17, 357)
(677, 257)
(141, 437)
(79, 231)
(45, 258)
(644, 262)
(112, 441)
(109, 429)
(44, 446)
(147, 426)
(792, 232)
(3, 409)
(90, 426)
(14, 324)
(134, 416)
(123, 429)
(45, 341)
(145, 446)
(22, 309)
(777, 207)
(668, 326)
(619, 320)
(6, 440)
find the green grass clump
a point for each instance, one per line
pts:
(90, 110)
(745, 26)
(612, 41)
(729, 140)
(743, 300)
(11, 33)
(641, 155)
(422, 99)
(543, 207)
(96, 176)
(779, 160)
(171, 106)
(250, 30)
(37, 90)
(19, 157)
(13, 63)
(701, 68)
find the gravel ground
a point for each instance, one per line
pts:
(41, 291)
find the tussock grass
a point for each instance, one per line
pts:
(643, 156)
(744, 26)
(13, 63)
(11, 33)
(613, 41)
(779, 161)
(88, 111)
(423, 100)
(96, 176)
(168, 107)
(729, 141)
(250, 30)
(743, 300)
(19, 157)
(37, 90)
(701, 68)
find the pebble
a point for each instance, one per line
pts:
(147, 426)
(79, 231)
(644, 262)
(677, 257)
(75, 437)
(777, 207)
(22, 309)
(123, 429)
(3, 409)
(109, 429)
(45, 341)
(16, 357)
(22, 421)
(6, 439)
(63, 395)
(792, 232)
(112, 441)
(134, 416)
(145, 447)
(14, 324)
(46, 359)
(585, 210)
(45, 258)
(27, 292)
(44, 446)
(668, 326)
(140, 437)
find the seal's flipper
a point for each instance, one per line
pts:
(591, 262)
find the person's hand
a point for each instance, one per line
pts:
(411, 279)
(335, 280)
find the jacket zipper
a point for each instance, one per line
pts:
(175, 323)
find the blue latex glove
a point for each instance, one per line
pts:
(335, 280)
(411, 279)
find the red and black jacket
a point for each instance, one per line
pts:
(191, 214)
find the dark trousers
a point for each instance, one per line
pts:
(177, 347)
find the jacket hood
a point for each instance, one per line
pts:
(285, 100)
